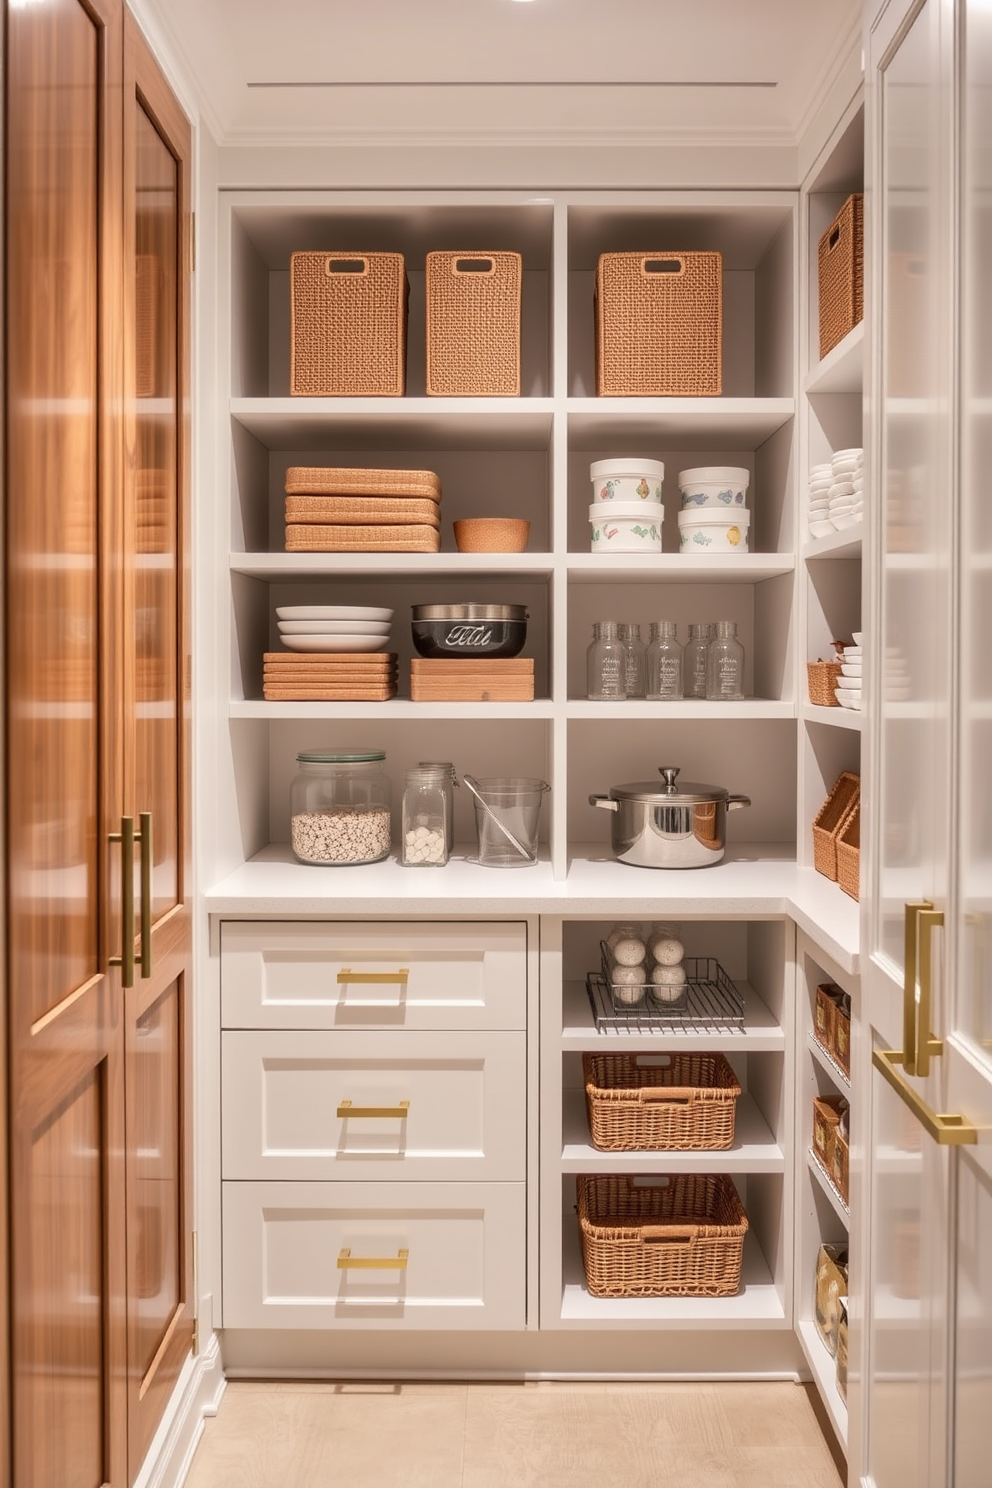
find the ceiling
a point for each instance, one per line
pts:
(312, 70)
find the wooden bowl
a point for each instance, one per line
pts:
(491, 534)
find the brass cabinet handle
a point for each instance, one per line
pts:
(909, 1010)
(926, 1045)
(145, 838)
(126, 958)
(348, 1262)
(400, 977)
(386, 1113)
(946, 1130)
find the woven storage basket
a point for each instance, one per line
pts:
(849, 853)
(842, 274)
(473, 325)
(659, 325)
(829, 820)
(687, 1105)
(322, 480)
(348, 329)
(685, 1239)
(821, 679)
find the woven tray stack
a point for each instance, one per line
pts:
(329, 677)
(362, 511)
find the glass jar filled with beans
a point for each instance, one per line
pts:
(339, 807)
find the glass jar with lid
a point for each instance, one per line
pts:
(426, 838)
(450, 785)
(339, 807)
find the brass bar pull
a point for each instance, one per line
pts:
(386, 1113)
(348, 1262)
(945, 1129)
(145, 838)
(399, 978)
(926, 1045)
(126, 958)
(912, 932)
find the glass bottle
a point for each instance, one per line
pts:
(450, 783)
(725, 665)
(425, 842)
(664, 662)
(694, 662)
(635, 665)
(606, 663)
(339, 807)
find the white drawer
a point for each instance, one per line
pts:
(446, 1255)
(464, 1117)
(389, 975)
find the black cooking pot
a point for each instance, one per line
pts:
(469, 629)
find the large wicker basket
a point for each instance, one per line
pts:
(849, 853)
(687, 1104)
(659, 325)
(821, 679)
(829, 820)
(842, 274)
(641, 1239)
(348, 329)
(473, 325)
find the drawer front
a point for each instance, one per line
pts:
(380, 1105)
(346, 975)
(445, 1255)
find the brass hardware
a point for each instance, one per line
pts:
(400, 978)
(348, 1262)
(145, 838)
(387, 1113)
(126, 958)
(196, 1297)
(912, 930)
(926, 1045)
(947, 1130)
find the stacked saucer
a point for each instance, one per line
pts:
(333, 627)
(846, 499)
(848, 685)
(349, 660)
(820, 478)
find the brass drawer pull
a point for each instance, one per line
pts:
(145, 838)
(348, 1262)
(945, 1129)
(384, 1113)
(126, 838)
(371, 978)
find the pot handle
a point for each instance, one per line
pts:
(734, 803)
(605, 803)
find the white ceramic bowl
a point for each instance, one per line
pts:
(335, 627)
(333, 643)
(856, 638)
(625, 527)
(702, 530)
(332, 612)
(721, 486)
(628, 479)
(848, 697)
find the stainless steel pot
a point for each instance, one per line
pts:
(668, 825)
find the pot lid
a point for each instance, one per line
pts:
(469, 612)
(668, 791)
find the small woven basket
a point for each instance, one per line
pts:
(688, 1104)
(821, 679)
(841, 264)
(829, 820)
(680, 1236)
(473, 325)
(849, 853)
(659, 325)
(348, 327)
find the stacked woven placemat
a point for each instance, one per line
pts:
(338, 677)
(349, 510)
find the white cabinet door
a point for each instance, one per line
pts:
(374, 1105)
(364, 1255)
(328, 974)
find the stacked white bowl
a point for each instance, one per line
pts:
(336, 628)
(846, 488)
(848, 684)
(820, 478)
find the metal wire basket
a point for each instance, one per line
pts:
(709, 1000)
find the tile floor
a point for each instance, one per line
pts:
(375, 1435)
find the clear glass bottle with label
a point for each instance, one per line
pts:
(725, 665)
(664, 662)
(425, 842)
(606, 663)
(694, 662)
(635, 664)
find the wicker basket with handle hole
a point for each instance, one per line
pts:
(849, 853)
(841, 274)
(348, 325)
(829, 820)
(653, 1102)
(659, 324)
(821, 679)
(473, 324)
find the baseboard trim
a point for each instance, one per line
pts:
(197, 1395)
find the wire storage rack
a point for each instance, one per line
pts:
(709, 1001)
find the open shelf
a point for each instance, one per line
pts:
(395, 423)
(824, 1370)
(699, 423)
(761, 1031)
(696, 708)
(838, 1205)
(679, 568)
(842, 369)
(844, 544)
(823, 1058)
(754, 1151)
(845, 718)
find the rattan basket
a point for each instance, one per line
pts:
(659, 325)
(473, 325)
(679, 1236)
(688, 1103)
(849, 853)
(821, 679)
(829, 820)
(348, 328)
(842, 274)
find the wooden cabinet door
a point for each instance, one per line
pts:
(64, 746)
(157, 151)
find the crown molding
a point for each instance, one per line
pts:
(581, 136)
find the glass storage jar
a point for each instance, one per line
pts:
(426, 839)
(450, 785)
(339, 807)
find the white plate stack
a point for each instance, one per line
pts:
(846, 488)
(848, 685)
(820, 478)
(337, 628)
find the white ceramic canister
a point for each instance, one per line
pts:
(703, 530)
(629, 479)
(720, 486)
(625, 527)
